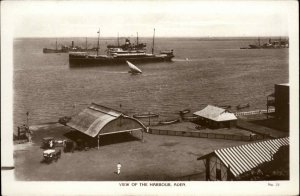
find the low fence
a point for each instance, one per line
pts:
(251, 137)
(254, 112)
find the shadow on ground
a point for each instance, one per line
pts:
(104, 140)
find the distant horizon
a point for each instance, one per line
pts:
(191, 37)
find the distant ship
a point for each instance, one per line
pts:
(269, 45)
(66, 49)
(120, 54)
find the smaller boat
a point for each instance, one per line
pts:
(64, 120)
(224, 106)
(241, 106)
(168, 122)
(181, 112)
(146, 115)
(133, 69)
(190, 118)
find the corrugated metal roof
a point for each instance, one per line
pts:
(105, 110)
(92, 119)
(243, 158)
(215, 113)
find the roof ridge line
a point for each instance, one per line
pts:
(106, 107)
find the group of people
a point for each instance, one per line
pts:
(24, 132)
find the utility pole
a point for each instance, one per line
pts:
(27, 114)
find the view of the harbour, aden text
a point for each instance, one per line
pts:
(149, 97)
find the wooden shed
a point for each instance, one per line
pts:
(215, 117)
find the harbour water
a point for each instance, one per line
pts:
(204, 71)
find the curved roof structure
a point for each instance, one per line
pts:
(94, 118)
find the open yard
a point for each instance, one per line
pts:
(188, 126)
(157, 158)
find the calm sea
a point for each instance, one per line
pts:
(204, 71)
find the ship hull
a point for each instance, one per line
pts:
(47, 50)
(87, 60)
(254, 47)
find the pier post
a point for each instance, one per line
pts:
(98, 141)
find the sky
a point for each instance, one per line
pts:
(169, 18)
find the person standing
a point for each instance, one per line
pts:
(119, 168)
(51, 144)
(19, 133)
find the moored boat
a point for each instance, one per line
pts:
(167, 122)
(66, 49)
(119, 55)
(241, 106)
(185, 111)
(146, 115)
(224, 106)
(269, 45)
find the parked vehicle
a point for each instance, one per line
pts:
(59, 142)
(51, 155)
(48, 143)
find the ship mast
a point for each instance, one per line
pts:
(137, 38)
(56, 44)
(98, 46)
(258, 41)
(280, 41)
(118, 40)
(86, 44)
(153, 41)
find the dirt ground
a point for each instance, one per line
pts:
(156, 158)
(189, 126)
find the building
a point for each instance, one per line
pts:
(233, 162)
(96, 121)
(281, 101)
(215, 117)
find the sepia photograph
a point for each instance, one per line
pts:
(149, 97)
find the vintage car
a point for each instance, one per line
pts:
(51, 155)
(48, 143)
